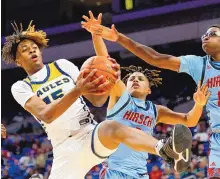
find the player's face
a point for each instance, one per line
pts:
(138, 85)
(29, 56)
(211, 41)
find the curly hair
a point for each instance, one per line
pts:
(151, 75)
(10, 46)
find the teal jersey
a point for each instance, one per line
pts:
(138, 114)
(202, 68)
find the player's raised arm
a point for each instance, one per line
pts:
(146, 53)
(190, 119)
(101, 50)
(98, 43)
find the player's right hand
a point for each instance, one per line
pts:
(105, 32)
(116, 67)
(85, 85)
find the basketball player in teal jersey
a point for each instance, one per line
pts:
(205, 69)
(128, 106)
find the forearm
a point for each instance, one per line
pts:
(189, 119)
(101, 50)
(99, 46)
(194, 115)
(55, 109)
(148, 54)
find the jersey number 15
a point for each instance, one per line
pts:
(53, 96)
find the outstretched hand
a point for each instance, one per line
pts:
(105, 32)
(202, 94)
(91, 20)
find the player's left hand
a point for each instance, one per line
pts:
(3, 131)
(91, 20)
(106, 33)
(116, 67)
(202, 94)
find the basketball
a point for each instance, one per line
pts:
(103, 66)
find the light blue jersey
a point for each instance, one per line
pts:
(138, 114)
(202, 68)
(208, 71)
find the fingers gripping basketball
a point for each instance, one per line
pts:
(104, 68)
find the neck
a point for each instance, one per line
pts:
(216, 57)
(34, 70)
(142, 98)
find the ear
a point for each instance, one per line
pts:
(18, 63)
(148, 91)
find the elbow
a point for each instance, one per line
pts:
(191, 124)
(153, 58)
(45, 117)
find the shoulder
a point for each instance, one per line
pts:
(67, 67)
(21, 92)
(191, 57)
(21, 85)
(64, 63)
(154, 107)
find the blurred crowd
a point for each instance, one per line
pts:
(26, 151)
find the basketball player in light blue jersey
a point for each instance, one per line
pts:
(205, 69)
(133, 110)
(128, 106)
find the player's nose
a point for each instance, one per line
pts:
(135, 79)
(32, 50)
(205, 38)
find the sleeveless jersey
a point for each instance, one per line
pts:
(138, 114)
(56, 84)
(202, 68)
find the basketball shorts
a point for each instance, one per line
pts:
(106, 173)
(77, 155)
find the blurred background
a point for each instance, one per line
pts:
(169, 26)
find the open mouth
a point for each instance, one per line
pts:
(34, 57)
(135, 85)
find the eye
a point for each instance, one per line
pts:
(131, 78)
(141, 78)
(24, 50)
(213, 33)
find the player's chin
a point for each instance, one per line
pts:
(206, 48)
(135, 93)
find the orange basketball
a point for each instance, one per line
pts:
(103, 66)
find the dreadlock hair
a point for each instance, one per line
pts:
(215, 25)
(151, 75)
(10, 46)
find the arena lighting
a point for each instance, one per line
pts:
(129, 4)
